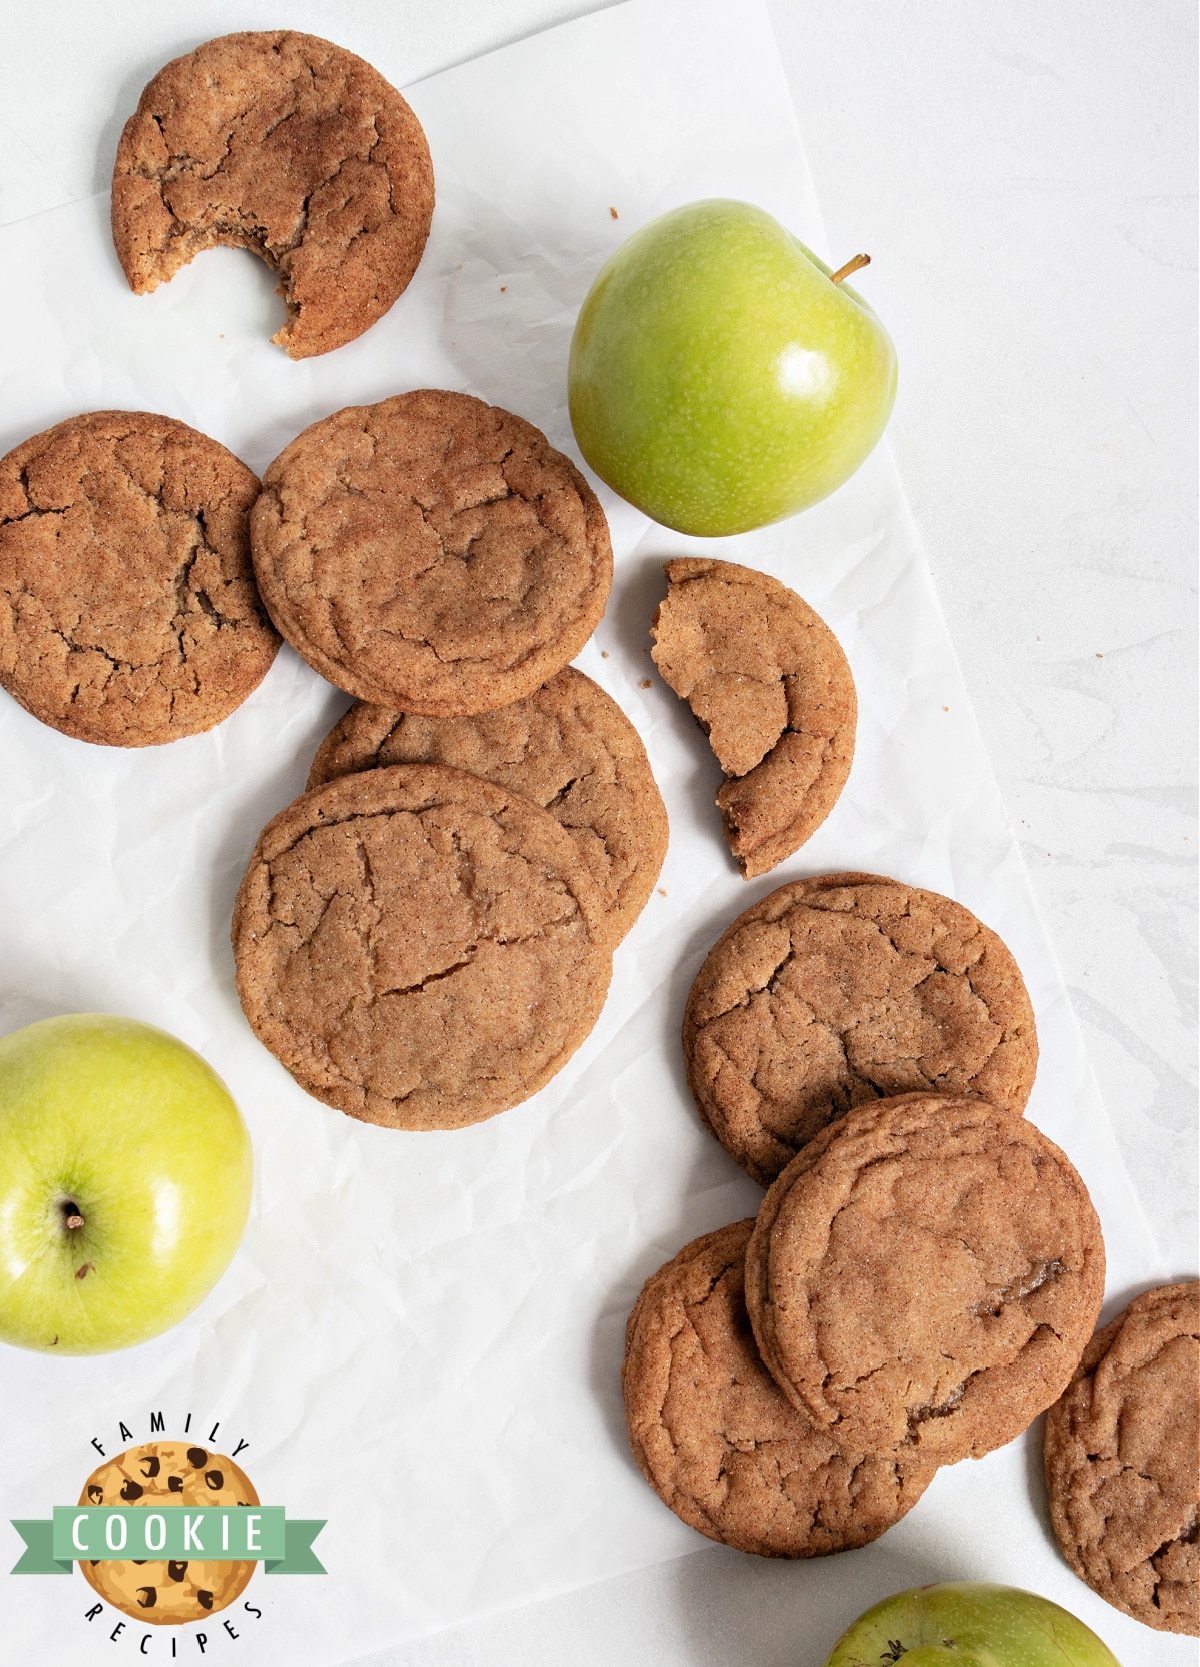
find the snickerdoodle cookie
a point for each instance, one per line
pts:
(418, 947)
(128, 610)
(716, 1438)
(1122, 1458)
(923, 1277)
(432, 554)
(768, 683)
(290, 146)
(568, 747)
(843, 989)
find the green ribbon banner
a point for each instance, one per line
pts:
(177, 1533)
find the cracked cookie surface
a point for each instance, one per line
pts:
(568, 747)
(287, 145)
(843, 989)
(767, 681)
(923, 1277)
(418, 947)
(162, 1593)
(714, 1435)
(1122, 1461)
(129, 614)
(431, 553)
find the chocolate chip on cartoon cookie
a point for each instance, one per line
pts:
(214, 1479)
(130, 1491)
(768, 683)
(145, 1597)
(151, 1466)
(197, 1457)
(292, 147)
(176, 1571)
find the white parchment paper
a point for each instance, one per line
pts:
(420, 1340)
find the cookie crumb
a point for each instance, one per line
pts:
(661, 892)
(945, 708)
(614, 213)
(503, 287)
(604, 654)
(646, 683)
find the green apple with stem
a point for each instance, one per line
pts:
(125, 1179)
(969, 1623)
(721, 377)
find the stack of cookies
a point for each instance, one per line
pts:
(919, 1284)
(426, 935)
(925, 1268)
(925, 1272)
(767, 681)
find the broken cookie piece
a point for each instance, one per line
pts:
(768, 683)
(290, 146)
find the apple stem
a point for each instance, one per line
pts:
(71, 1215)
(855, 265)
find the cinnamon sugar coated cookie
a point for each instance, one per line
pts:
(129, 614)
(839, 990)
(717, 1440)
(290, 146)
(163, 1473)
(923, 1277)
(769, 685)
(432, 553)
(568, 747)
(418, 947)
(1122, 1461)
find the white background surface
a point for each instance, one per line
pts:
(1023, 176)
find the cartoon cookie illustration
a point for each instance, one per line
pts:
(168, 1473)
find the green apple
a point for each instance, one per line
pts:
(719, 377)
(969, 1623)
(125, 1176)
